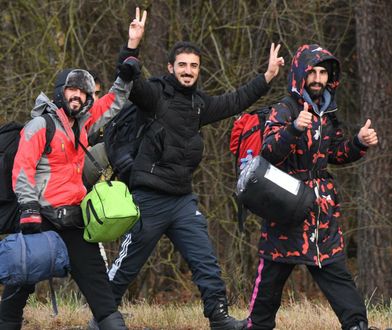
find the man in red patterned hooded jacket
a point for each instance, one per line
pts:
(302, 143)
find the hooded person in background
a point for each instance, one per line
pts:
(49, 188)
(303, 145)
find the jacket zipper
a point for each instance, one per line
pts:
(42, 189)
(198, 110)
(317, 225)
(318, 196)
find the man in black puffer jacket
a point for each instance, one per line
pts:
(169, 153)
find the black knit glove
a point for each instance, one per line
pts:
(30, 218)
(129, 69)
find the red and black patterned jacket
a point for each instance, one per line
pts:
(318, 240)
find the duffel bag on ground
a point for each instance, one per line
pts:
(275, 195)
(108, 211)
(29, 259)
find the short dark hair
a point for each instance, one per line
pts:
(183, 47)
(96, 77)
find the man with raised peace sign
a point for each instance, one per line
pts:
(161, 179)
(302, 143)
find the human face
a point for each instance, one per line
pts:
(75, 97)
(316, 81)
(186, 68)
(97, 92)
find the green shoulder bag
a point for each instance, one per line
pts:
(109, 210)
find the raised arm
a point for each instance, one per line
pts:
(349, 150)
(136, 29)
(274, 63)
(229, 104)
(128, 70)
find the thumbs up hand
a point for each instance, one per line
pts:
(367, 136)
(304, 119)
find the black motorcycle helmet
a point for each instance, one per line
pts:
(78, 78)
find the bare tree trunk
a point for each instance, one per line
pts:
(374, 47)
(154, 51)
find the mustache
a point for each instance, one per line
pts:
(185, 75)
(316, 84)
(75, 98)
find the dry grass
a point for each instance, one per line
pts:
(300, 315)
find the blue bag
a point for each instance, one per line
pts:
(29, 259)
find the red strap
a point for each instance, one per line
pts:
(31, 219)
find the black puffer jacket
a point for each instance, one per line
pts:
(172, 148)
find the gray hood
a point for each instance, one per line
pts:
(43, 104)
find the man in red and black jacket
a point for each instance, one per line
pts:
(303, 145)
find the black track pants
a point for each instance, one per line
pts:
(333, 279)
(179, 219)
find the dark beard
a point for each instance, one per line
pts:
(315, 95)
(75, 98)
(177, 85)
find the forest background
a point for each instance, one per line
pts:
(38, 38)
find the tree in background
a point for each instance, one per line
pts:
(374, 49)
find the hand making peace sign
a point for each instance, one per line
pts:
(136, 29)
(274, 63)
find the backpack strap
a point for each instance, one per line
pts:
(168, 89)
(98, 166)
(52, 266)
(53, 298)
(242, 213)
(49, 134)
(292, 105)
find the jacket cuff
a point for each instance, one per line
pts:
(293, 130)
(262, 76)
(358, 143)
(131, 51)
(30, 206)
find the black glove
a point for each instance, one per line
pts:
(129, 69)
(30, 218)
